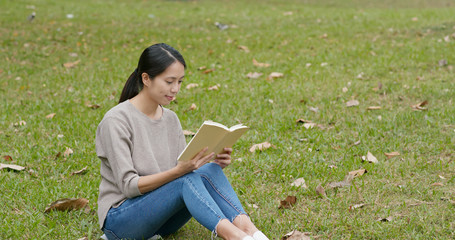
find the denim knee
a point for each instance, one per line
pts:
(210, 169)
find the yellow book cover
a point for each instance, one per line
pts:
(213, 135)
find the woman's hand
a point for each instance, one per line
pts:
(224, 158)
(196, 162)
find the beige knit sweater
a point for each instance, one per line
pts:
(130, 145)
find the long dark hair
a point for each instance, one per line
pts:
(154, 60)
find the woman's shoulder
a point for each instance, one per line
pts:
(119, 112)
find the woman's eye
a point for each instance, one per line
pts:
(180, 82)
(169, 82)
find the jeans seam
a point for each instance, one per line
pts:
(111, 233)
(221, 195)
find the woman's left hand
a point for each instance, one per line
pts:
(224, 158)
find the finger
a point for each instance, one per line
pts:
(223, 156)
(201, 153)
(228, 150)
(207, 158)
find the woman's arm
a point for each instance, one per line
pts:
(154, 181)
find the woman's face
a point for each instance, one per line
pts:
(163, 88)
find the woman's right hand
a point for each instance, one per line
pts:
(196, 162)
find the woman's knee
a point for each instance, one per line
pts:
(209, 169)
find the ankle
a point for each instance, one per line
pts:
(259, 236)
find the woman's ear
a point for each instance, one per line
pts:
(145, 79)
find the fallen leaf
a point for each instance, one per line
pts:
(201, 68)
(356, 143)
(192, 85)
(83, 238)
(92, 106)
(275, 75)
(345, 89)
(188, 133)
(68, 204)
(387, 219)
(214, 87)
(357, 173)
(374, 108)
(361, 205)
(392, 154)
(437, 184)
(261, 146)
(80, 172)
(208, 71)
(50, 116)
(299, 182)
(352, 103)
(379, 87)
(309, 124)
(12, 167)
(288, 202)
(296, 235)
(370, 158)
(287, 13)
(320, 190)
(20, 123)
(193, 107)
(71, 64)
(253, 75)
(7, 158)
(442, 63)
(441, 177)
(345, 183)
(313, 109)
(244, 48)
(420, 106)
(253, 206)
(258, 64)
(68, 152)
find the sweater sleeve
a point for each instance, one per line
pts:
(115, 145)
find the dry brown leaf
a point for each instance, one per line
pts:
(68, 204)
(92, 106)
(253, 75)
(244, 48)
(370, 158)
(258, 64)
(357, 173)
(192, 85)
(188, 133)
(274, 75)
(437, 184)
(68, 151)
(309, 124)
(261, 146)
(208, 71)
(7, 158)
(288, 202)
(374, 108)
(361, 205)
(320, 190)
(201, 68)
(392, 154)
(296, 235)
(345, 183)
(193, 107)
(12, 167)
(214, 87)
(80, 172)
(50, 116)
(420, 106)
(352, 103)
(71, 64)
(299, 182)
(387, 219)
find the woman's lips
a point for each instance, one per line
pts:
(170, 98)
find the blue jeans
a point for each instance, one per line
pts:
(204, 194)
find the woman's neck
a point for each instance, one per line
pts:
(150, 108)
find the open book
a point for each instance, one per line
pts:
(213, 135)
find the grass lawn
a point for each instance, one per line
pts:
(392, 54)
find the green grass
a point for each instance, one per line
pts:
(397, 44)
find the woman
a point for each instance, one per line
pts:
(144, 190)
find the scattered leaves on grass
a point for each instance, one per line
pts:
(420, 106)
(437, 184)
(68, 151)
(387, 219)
(80, 172)
(299, 182)
(50, 116)
(296, 235)
(188, 133)
(345, 183)
(193, 107)
(92, 106)
(288, 202)
(7, 158)
(68, 204)
(244, 48)
(274, 75)
(374, 108)
(11, 166)
(370, 158)
(258, 64)
(192, 85)
(253, 75)
(320, 191)
(392, 154)
(355, 206)
(357, 173)
(208, 71)
(71, 64)
(261, 146)
(352, 103)
(214, 87)
(309, 124)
